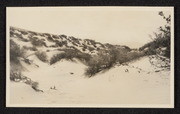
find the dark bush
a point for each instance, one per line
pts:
(15, 52)
(106, 59)
(74, 43)
(69, 54)
(91, 48)
(11, 34)
(30, 48)
(34, 85)
(57, 58)
(58, 43)
(83, 57)
(63, 36)
(15, 76)
(49, 38)
(37, 42)
(24, 32)
(33, 33)
(161, 39)
(83, 49)
(55, 36)
(41, 56)
(46, 34)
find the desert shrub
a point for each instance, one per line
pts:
(12, 29)
(24, 40)
(53, 46)
(56, 58)
(33, 33)
(15, 52)
(33, 48)
(27, 61)
(20, 37)
(46, 34)
(64, 43)
(97, 64)
(88, 43)
(83, 49)
(34, 85)
(11, 33)
(69, 54)
(91, 48)
(58, 43)
(95, 46)
(160, 39)
(37, 42)
(106, 59)
(74, 43)
(83, 57)
(75, 53)
(109, 45)
(49, 38)
(93, 42)
(98, 49)
(63, 36)
(41, 56)
(17, 35)
(123, 57)
(30, 48)
(134, 55)
(15, 76)
(127, 48)
(24, 32)
(92, 70)
(55, 36)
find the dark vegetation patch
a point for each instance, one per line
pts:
(50, 39)
(33, 33)
(160, 40)
(63, 36)
(17, 77)
(106, 59)
(30, 48)
(41, 56)
(55, 36)
(91, 48)
(15, 73)
(17, 35)
(69, 54)
(37, 42)
(24, 32)
(60, 43)
(16, 52)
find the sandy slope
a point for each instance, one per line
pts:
(111, 87)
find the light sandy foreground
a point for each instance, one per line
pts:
(112, 87)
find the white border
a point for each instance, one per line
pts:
(124, 8)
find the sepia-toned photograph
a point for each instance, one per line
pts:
(90, 57)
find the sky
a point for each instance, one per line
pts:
(129, 26)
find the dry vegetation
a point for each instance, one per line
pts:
(16, 52)
(160, 40)
(106, 59)
(41, 56)
(69, 54)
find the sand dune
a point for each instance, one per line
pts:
(114, 87)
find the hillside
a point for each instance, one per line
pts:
(60, 69)
(49, 42)
(140, 85)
